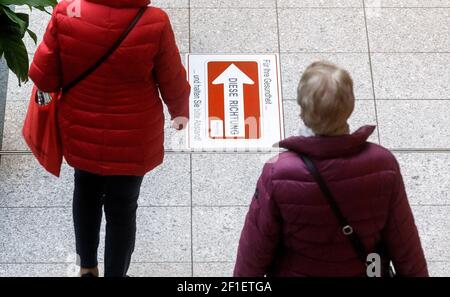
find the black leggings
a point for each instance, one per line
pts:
(119, 196)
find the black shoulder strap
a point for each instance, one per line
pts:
(108, 53)
(347, 229)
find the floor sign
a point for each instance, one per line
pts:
(235, 102)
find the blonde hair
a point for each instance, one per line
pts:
(326, 98)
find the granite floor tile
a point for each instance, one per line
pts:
(72, 270)
(160, 270)
(163, 235)
(216, 233)
(180, 23)
(171, 3)
(433, 225)
(407, 3)
(45, 235)
(225, 179)
(38, 270)
(3, 76)
(322, 30)
(15, 112)
(234, 31)
(181, 269)
(232, 3)
(169, 184)
(293, 66)
(16, 92)
(426, 177)
(212, 269)
(26, 184)
(414, 124)
(36, 235)
(411, 76)
(3, 92)
(439, 269)
(319, 3)
(408, 30)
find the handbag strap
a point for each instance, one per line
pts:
(347, 229)
(113, 48)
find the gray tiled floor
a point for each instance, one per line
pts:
(407, 3)
(192, 209)
(426, 177)
(411, 75)
(219, 180)
(68, 269)
(304, 30)
(320, 3)
(422, 124)
(408, 30)
(3, 89)
(357, 63)
(216, 233)
(233, 30)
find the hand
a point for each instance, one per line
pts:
(180, 123)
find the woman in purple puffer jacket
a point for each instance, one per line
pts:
(291, 230)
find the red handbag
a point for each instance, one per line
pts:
(40, 129)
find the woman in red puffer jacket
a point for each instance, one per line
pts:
(291, 230)
(112, 122)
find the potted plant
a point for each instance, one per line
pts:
(13, 27)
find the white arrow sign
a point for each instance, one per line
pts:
(234, 80)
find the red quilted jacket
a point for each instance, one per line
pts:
(290, 229)
(112, 122)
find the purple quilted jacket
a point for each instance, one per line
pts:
(290, 229)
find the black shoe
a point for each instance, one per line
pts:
(89, 274)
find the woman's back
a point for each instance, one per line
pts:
(366, 182)
(291, 229)
(112, 122)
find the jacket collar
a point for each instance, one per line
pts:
(329, 147)
(122, 3)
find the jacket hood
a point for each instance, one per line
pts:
(329, 147)
(122, 3)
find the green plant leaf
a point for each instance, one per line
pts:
(21, 19)
(34, 3)
(32, 35)
(25, 18)
(15, 54)
(8, 27)
(13, 27)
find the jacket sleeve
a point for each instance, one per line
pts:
(170, 74)
(261, 233)
(45, 70)
(401, 235)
